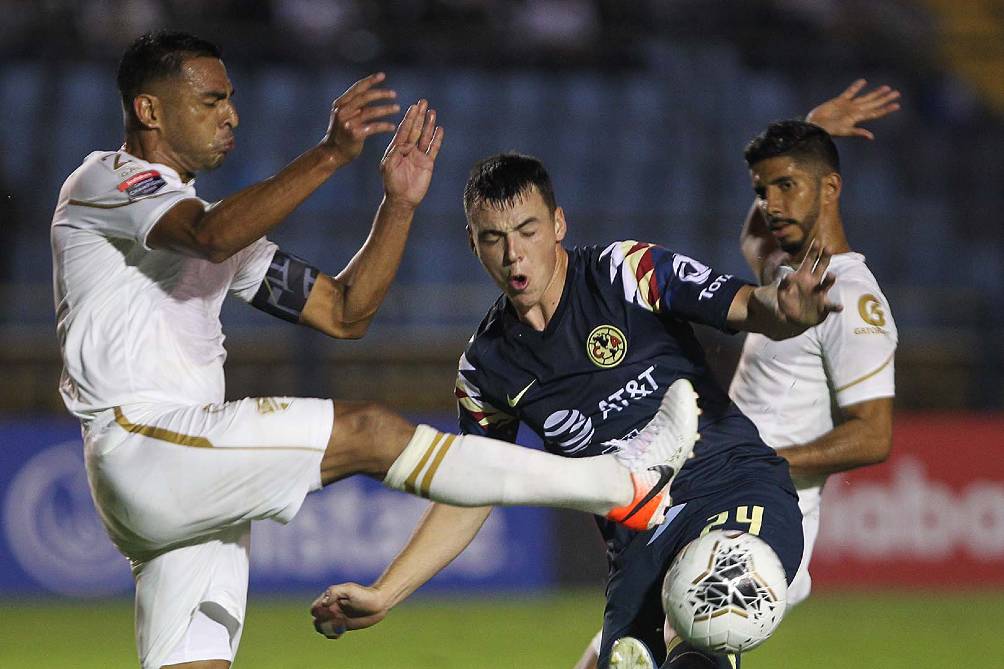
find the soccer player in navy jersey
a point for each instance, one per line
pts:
(581, 346)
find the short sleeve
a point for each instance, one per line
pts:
(859, 343)
(120, 196)
(252, 264)
(671, 284)
(474, 414)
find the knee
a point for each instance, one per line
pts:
(366, 437)
(366, 421)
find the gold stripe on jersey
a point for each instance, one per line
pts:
(426, 486)
(95, 205)
(160, 433)
(409, 483)
(98, 205)
(866, 376)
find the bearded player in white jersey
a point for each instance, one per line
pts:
(141, 268)
(823, 399)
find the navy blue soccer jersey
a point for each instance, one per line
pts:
(621, 335)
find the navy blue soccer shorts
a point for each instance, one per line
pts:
(634, 591)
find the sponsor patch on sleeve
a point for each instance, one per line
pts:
(143, 183)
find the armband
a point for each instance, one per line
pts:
(287, 284)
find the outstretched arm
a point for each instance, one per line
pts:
(343, 306)
(442, 534)
(790, 306)
(235, 222)
(840, 117)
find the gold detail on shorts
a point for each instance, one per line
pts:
(160, 433)
(268, 405)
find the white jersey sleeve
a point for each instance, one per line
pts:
(859, 343)
(252, 264)
(121, 196)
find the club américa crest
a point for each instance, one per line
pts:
(606, 346)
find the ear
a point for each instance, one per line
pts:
(147, 110)
(470, 239)
(831, 185)
(560, 228)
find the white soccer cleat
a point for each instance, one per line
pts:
(656, 454)
(630, 653)
(669, 437)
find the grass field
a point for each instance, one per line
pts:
(887, 631)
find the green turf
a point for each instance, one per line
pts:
(887, 631)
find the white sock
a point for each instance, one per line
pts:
(467, 470)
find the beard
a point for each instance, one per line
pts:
(796, 247)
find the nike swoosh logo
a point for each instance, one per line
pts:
(513, 401)
(665, 474)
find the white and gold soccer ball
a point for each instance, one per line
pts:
(725, 592)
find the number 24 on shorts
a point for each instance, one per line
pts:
(743, 515)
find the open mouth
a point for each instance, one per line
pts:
(518, 282)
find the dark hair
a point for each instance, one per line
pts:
(156, 56)
(504, 177)
(803, 142)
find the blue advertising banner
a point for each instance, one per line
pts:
(52, 541)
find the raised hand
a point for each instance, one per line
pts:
(411, 155)
(841, 115)
(354, 117)
(801, 295)
(347, 606)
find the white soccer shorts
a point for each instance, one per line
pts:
(177, 488)
(801, 585)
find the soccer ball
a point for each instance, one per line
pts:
(725, 592)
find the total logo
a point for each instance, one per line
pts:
(55, 533)
(715, 285)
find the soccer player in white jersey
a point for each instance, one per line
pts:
(823, 399)
(141, 268)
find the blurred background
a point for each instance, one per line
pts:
(640, 110)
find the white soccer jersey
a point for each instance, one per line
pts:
(137, 325)
(789, 388)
